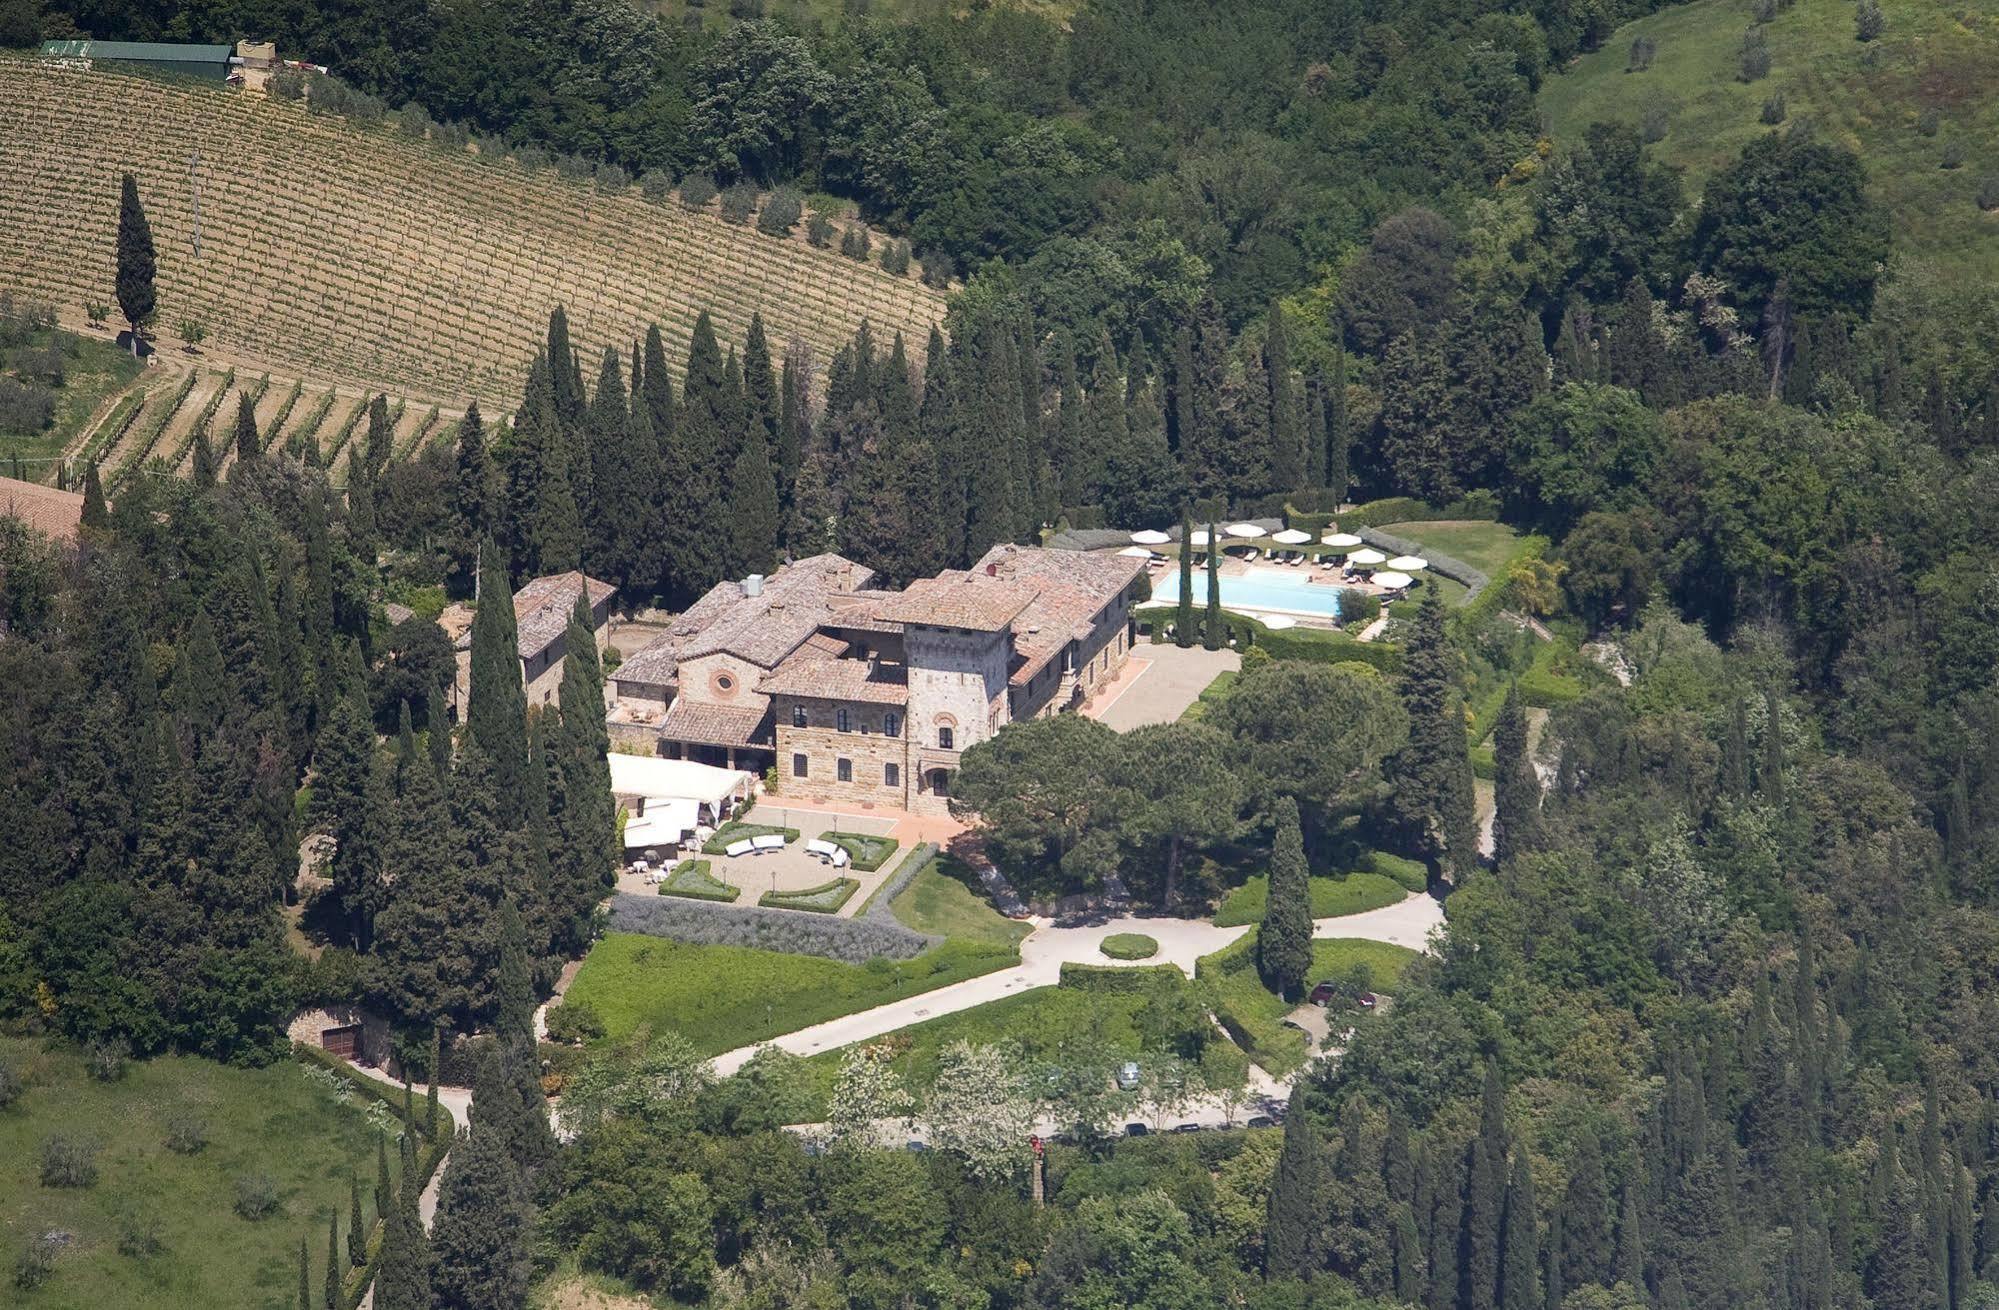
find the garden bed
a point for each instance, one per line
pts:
(826, 898)
(735, 831)
(1129, 946)
(690, 878)
(869, 852)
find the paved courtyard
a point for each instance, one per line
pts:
(1158, 684)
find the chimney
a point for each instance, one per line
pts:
(753, 585)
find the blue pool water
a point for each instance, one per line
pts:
(1265, 590)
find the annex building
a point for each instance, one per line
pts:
(864, 696)
(541, 614)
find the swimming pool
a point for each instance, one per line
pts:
(1260, 591)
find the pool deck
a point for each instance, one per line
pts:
(1300, 578)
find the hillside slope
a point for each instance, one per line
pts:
(1932, 56)
(357, 256)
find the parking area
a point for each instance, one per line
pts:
(1158, 684)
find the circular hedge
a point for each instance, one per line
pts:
(1129, 946)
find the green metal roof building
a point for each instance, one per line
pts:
(204, 61)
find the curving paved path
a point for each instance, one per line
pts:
(1044, 951)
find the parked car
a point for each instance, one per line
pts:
(1127, 1076)
(1262, 1121)
(1366, 1000)
(1136, 1130)
(1187, 1128)
(1324, 992)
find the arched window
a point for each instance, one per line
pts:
(891, 724)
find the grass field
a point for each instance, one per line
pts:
(1331, 897)
(1334, 957)
(1254, 1015)
(940, 903)
(722, 997)
(1932, 56)
(386, 262)
(275, 1121)
(94, 371)
(1485, 545)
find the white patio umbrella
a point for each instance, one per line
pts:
(1135, 552)
(1150, 537)
(1244, 530)
(1392, 580)
(1290, 537)
(1341, 540)
(1367, 558)
(1198, 537)
(1409, 563)
(1278, 622)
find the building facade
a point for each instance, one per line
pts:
(541, 613)
(849, 695)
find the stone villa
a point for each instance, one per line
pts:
(865, 696)
(541, 612)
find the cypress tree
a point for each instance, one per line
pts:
(403, 1277)
(1214, 633)
(753, 510)
(1183, 616)
(496, 717)
(248, 447)
(1291, 1228)
(658, 388)
(380, 443)
(1551, 1263)
(351, 793)
(1770, 779)
(760, 398)
(1398, 1166)
(1628, 1262)
(137, 264)
(1105, 428)
(597, 461)
(360, 509)
(1435, 768)
(1479, 1242)
(1068, 451)
(357, 1232)
(1516, 789)
(1406, 1250)
(1735, 752)
(1962, 1238)
(480, 1241)
(565, 372)
(1287, 423)
(793, 406)
(1987, 1259)
(432, 1111)
(1520, 1242)
(1338, 439)
(332, 1289)
(384, 1194)
(304, 1277)
(1587, 1248)
(1284, 941)
(96, 515)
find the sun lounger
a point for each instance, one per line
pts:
(737, 848)
(1251, 555)
(767, 842)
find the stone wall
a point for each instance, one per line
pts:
(308, 1028)
(824, 747)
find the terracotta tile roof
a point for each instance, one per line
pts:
(397, 613)
(855, 680)
(975, 601)
(49, 511)
(711, 725)
(762, 629)
(1072, 589)
(542, 608)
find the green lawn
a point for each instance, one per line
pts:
(276, 1121)
(1485, 545)
(942, 904)
(1254, 1015)
(95, 369)
(826, 898)
(1932, 55)
(694, 880)
(722, 997)
(1331, 897)
(1334, 957)
(868, 851)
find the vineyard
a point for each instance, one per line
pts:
(360, 257)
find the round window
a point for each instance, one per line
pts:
(725, 683)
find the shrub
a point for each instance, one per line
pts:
(701, 923)
(736, 830)
(106, 1058)
(826, 898)
(895, 257)
(1099, 978)
(10, 1086)
(856, 243)
(287, 84)
(25, 407)
(1763, 11)
(869, 852)
(256, 1196)
(532, 158)
(1410, 873)
(37, 1260)
(1928, 121)
(1868, 21)
(938, 268)
(881, 905)
(612, 177)
(1129, 946)
(1653, 121)
(1773, 110)
(1988, 192)
(68, 1161)
(1643, 50)
(780, 213)
(413, 120)
(574, 1021)
(1357, 606)
(738, 203)
(656, 184)
(1953, 155)
(691, 878)
(1753, 63)
(187, 1133)
(139, 1237)
(819, 230)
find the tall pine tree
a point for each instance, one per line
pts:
(138, 301)
(1284, 941)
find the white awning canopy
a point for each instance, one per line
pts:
(1392, 580)
(1409, 563)
(1290, 537)
(1244, 530)
(1150, 537)
(1340, 540)
(1135, 552)
(1198, 537)
(664, 824)
(1367, 557)
(654, 779)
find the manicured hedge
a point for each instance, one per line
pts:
(1129, 946)
(703, 923)
(690, 878)
(826, 898)
(869, 852)
(1405, 509)
(736, 830)
(1316, 645)
(1104, 978)
(1411, 874)
(880, 904)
